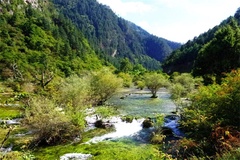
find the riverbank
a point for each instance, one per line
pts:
(125, 140)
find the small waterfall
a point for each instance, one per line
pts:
(171, 122)
(122, 129)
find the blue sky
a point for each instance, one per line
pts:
(175, 20)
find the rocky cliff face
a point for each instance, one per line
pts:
(34, 3)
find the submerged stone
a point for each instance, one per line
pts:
(76, 156)
(167, 131)
(11, 122)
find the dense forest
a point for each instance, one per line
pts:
(36, 42)
(113, 37)
(68, 68)
(211, 53)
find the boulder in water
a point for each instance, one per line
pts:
(147, 123)
(101, 124)
(75, 156)
(167, 131)
(128, 119)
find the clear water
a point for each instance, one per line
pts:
(140, 104)
(137, 104)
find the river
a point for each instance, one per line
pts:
(138, 104)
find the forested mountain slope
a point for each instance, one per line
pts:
(36, 41)
(114, 37)
(221, 39)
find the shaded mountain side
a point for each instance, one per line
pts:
(221, 55)
(183, 59)
(112, 36)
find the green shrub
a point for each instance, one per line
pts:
(127, 79)
(50, 126)
(140, 84)
(105, 111)
(214, 115)
(183, 84)
(74, 92)
(158, 139)
(104, 85)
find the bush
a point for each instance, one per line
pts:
(158, 139)
(105, 111)
(49, 124)
(140, 84)
(127, 79)
(74, 92)
(183, 84)
(214, 114)
(218, 104)
(104, 85)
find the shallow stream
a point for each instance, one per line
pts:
(139, 105)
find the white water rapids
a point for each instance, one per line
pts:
(122, 129)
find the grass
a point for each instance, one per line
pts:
(7, 112)
(3, 133)
(108, 150)
(233, 155)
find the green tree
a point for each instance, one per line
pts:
(154, 81)
(50, 125)
(127, 79)
(104, 85)
(183, 84)
(125, 65)
(74, 91)
(138, 69)
(73, 95)
(43, 72)
(221, 54)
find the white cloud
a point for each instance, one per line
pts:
(176, 20)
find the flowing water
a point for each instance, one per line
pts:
(122, 129)
(138, 104)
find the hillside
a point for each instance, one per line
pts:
(36, 40)
(113, 37)
(189, 56)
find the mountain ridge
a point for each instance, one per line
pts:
(107, 33)
(182, 59)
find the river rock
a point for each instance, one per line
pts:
(11, 122)
(101, 124)
(167, 131)
(4, 150)
(76, 156)
(147, 123)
